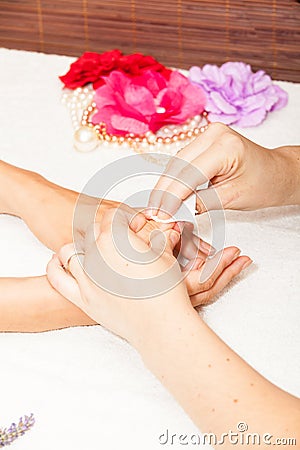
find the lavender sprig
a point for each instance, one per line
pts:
(9, 435)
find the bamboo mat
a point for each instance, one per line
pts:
(179, 33)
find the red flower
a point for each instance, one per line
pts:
(91, 67)
(136, 64)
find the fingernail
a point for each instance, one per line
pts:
(174, 236)
(150, 212)
(163, 215)
(208, 249)
(236, 255)
(247, 264)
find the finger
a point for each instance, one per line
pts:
(137, 222)
(209, 164)
(205, 247)
(214, 266)
(235, 268)
(174, 167)
(202, 142)
(189, 248)
(164, 241)
(69, 259)
(63, 282)
(118, 239)
(173, 237)
(194, 264)
(125, 216)
(216, 197)
(187, 154)
(180, 189)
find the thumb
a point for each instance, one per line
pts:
(208, 200)
(215, 197)
(63, 282)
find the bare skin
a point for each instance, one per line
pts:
(244, 175)
(216, 387)
(31, 304)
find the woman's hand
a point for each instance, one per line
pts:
(210, 277)
(219, 270)
(126, 317)
(211, 382)
(244, 175)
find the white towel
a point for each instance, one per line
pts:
(87, 388)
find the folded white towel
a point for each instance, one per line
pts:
(87, 388)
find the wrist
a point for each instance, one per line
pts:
(167, 335)
(19, 183)
(287, 172)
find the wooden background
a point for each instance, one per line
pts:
(179, 33)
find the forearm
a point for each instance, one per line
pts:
(213, 384)
(287, 175)
(45, 207)
(32, 305)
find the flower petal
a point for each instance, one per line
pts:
(221, 103)
(128, 125)
(252, 119)
(282, 98)
(228, 119)
(140, 98)
(195, 74)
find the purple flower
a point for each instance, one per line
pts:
(236, 95)
(9, 435)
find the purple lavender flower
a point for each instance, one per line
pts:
(9, 435)
(236, 95)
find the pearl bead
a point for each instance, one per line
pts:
(85, 139)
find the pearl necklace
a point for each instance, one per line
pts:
(87, 135)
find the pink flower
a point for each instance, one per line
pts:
(146, 102)
(236, 95)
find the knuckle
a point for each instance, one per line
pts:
(232, 141)
(195, 302)
(201, 300)
(218, 127)
(208, 284)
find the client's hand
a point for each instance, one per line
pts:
(204, 278)
(210, 381)
(126, 317)
(95, 301)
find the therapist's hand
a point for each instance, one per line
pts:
(244, 175)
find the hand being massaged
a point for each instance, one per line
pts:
(75, 282)
(30, 304)
(210, 381)
(244, 175)
(223, 266)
